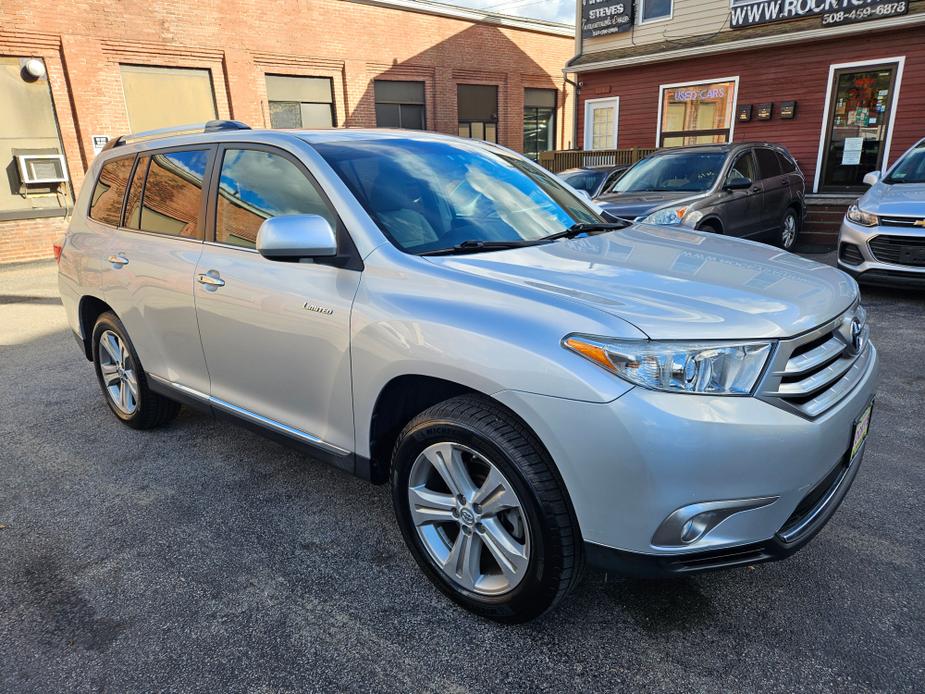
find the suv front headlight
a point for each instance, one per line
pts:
(859, 216)
(716, 368)
(666, 215)
(674, 215)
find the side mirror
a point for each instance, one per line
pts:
(295, 236)
(738, 183)
(873, 178)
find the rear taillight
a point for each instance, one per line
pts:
(57, 247)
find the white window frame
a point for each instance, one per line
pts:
(900, 62)
(692, 83)
(589, 131)
(642, 22)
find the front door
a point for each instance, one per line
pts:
(602, 118)
(857, 127)
(276, 335)
(742, 212)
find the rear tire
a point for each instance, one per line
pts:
(710, 227)
(789, 229)
(509, 558)
(122, 378)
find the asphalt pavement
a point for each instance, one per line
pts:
(202, 557)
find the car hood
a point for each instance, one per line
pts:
(633, 205)
(673, 283)
(901, 199)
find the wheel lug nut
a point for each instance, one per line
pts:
(461, 499)
(477, 508)
(455, 513)
(466, 530)
(479, 527)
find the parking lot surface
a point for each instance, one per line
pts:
(204, 557)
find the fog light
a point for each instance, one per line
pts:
(689, 524)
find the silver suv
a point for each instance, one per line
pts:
(539, 389)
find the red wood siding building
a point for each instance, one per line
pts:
(805, 71)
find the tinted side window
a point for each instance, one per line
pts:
(767, 162)
(173, 193)
(744, 167)
(787, 164)
(106, 205)
(133, 202)
(256, 185)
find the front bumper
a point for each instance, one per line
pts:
(856, 257)
(629, 464)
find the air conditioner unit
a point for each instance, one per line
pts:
(41, 168)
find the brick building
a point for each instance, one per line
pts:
(74, 74)
(840, 83)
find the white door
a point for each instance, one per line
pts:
(601, 123)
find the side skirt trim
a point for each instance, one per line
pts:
(195, 397)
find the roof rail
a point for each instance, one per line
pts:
(212, 126)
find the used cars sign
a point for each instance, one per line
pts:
(603, 17)
(746, 13)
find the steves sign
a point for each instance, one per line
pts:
(747, 13)
(603, 17)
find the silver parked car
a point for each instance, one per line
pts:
(540, 389)
(882, 238)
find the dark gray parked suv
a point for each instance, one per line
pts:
(753, 190)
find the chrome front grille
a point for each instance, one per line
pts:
(811, 373)
(901, 221)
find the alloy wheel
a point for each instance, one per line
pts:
(789, 232)
(469, 519)
(117, 369)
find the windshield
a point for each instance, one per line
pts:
(584, 180)
(689, 172)
(428, 195)
(911, 169)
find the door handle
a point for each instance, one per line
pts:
(211, 280)
(118, 260)
(756, 189)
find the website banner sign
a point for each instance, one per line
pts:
(748, 13)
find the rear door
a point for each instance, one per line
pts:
(276, 334)
(741, 210)
(154, 253)
(776, 194)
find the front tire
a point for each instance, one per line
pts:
(483, 511)
(122, 378)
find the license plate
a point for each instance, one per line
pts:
(861, 429)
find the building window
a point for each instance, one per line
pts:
(30, 148)
(159, 97)
(694, 114)
(654, 10)
(477, 106)
(300, 102)
(400, 105)
(539, 121)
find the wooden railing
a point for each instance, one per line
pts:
(563, 159)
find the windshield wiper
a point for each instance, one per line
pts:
(476, 246)
(578, 229)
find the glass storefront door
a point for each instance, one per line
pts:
(858, 124)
